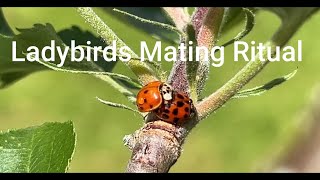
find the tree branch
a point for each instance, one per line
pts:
(157, 145)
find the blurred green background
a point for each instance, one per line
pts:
(243, 135)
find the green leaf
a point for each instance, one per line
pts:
(70, 69)
(4, 27)
(41, 36)
(139, 68)
(292, 19)
(151, 13)
(38, 36)
(11, 77)
(264, 88)
(45, 148)
(155, 23)
(232, 17)
(81, 37)
(10, 71)
(121, 106)
(249, 25)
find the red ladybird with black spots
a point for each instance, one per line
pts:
(176, 111)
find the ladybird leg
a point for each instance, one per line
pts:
(145, 116)
(192, 108)
(176, 121)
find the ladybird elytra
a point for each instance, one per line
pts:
(176, 111)
(149, 97)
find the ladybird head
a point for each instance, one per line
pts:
(166, 91)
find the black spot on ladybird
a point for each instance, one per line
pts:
(175, 111)
(145, 100)
(186, 116)
(186, 109)
(151, 106)
(180, 103)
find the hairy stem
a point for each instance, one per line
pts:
(223, 94)
(141, 69)
(178, 74)
(207, 36)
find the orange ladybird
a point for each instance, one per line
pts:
(149, 97)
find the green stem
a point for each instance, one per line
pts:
(141, 69)
(223, 94)
(131, 97)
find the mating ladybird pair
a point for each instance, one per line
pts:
(169, 105)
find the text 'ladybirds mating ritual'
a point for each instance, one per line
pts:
(168, 105)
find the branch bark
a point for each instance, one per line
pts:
(156, 147)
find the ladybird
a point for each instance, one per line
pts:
(176, 111)
(168, 105)
(149, 97)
